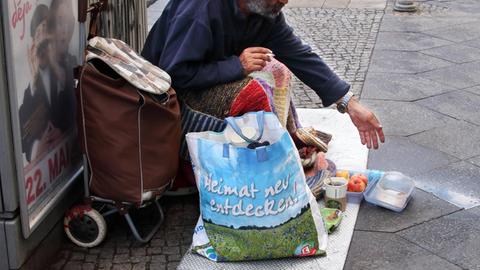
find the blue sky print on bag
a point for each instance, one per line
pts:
(239, 191)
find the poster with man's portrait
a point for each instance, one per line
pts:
(42, 48)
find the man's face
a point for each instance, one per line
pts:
(40, 40)
(266, 8)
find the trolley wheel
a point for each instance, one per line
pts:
(85, 226)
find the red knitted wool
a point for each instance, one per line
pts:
(252, 98)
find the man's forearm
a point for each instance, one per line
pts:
(199, 76)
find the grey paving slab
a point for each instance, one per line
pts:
(459, 104)
(475, 161)
(401, 154)
(455, 53)
(465, 6)
(405, 118)
(460, 75)
(422, 207)
(404, 62)
(407, 41)
(474, 90)
(457, 33)
(473, 43)
(457, 183)
(385, 251)
(401, 87)
(459, 139)
(420, 23)
(455, 237)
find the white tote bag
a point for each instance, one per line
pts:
(254, 201)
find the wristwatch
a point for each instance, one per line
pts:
(342, 104)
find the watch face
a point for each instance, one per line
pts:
(341, 108)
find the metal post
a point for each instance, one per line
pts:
(405, 6)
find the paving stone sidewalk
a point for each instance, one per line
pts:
(421, 74)
(423, 82)
(344, 38)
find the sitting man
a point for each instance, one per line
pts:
(220, 52)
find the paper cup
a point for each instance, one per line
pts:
(336, 193)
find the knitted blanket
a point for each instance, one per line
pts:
(267, 90)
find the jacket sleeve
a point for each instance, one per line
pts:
(185, 57)
(304, 63)
(24, 113)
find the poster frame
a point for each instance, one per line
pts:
(52, 199)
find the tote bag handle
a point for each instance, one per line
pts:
(260, 147)
(260, 115)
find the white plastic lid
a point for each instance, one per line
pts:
(392, 191)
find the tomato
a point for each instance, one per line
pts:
(356, 185)
(360, 176)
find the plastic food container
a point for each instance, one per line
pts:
(392, 191)
(354, 196)
(373, 175)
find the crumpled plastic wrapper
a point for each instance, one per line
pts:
(331, 218)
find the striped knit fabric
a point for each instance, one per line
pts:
(195, 121)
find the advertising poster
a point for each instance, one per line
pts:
(42, 48)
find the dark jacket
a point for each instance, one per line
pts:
(198, 43)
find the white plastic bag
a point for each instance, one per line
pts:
(254, 200)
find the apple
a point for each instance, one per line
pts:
(356, 185)
(360, 176)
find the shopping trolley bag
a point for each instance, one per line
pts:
(129, 121)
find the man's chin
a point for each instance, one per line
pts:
(270, 15)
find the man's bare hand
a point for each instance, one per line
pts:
(368, 126)
(49, 139)
(39, 39)
(254, 59)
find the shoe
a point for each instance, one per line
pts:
(312, 137)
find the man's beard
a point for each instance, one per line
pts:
(261, 8)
